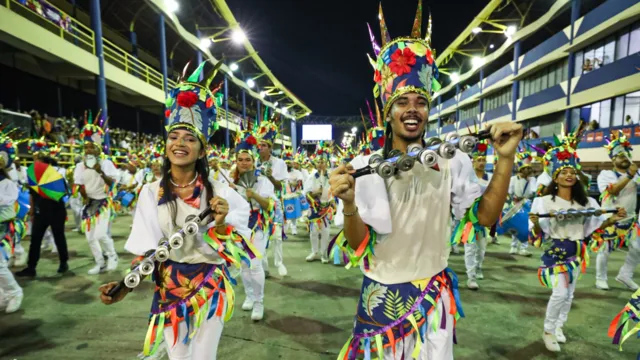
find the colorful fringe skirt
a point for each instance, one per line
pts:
(627, 322)
(562, 257)
(11, 232)
(389, 313)
(187, 292)
(93, 210)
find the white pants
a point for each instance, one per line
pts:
(253, 278)
(292, 226)
(474, 256)
(559, 302)
(631, 260)
(602, 258)
(515, 243)
(276, 243)
(76, 207)
(439, 344)
(98, 235)
(319, 239)
(203, 345)
(8, 285)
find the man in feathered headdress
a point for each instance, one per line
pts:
(320, 204)
(94, 177)
(275, 169)
(474, 252)
(398, 228)
(619, 188)
(293, 187)
(522, 187)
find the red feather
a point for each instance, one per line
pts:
(187, 99)
(251, 140)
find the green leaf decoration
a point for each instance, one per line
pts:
(393, 305)
(372, 296)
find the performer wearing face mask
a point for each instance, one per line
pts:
(522, 187)
(259, 192)
(474, 252)
(320, 205)
(95, 177)
(275, 170)
(619, 187)
(193, 294)
(565, 251)
(397, 228)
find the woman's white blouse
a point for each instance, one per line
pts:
(576, 229)
(152, 222)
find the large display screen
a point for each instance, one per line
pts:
(317, 132)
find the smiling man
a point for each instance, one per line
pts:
(619, 188)
(398, 229)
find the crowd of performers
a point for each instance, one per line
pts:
(202, 216)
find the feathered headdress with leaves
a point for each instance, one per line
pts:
(246, 142)
(8, 147)
(191, 105)
(618, 143)
(92, 131)
(405, 64)
(37, 145)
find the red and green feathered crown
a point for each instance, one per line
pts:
(480, 150)
(323, 151)
(561, 157)
(224, 156)
(8, 149)
(246, 142)
(267, 131)
(213, 152)
(405, 64)
(191, 105)
(92, 131)
(523, 158)
(347, 154)
(54, 150)
(37, 145)
(287, 155)
(375, 135)
(618, 143)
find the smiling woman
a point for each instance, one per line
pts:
(193, 296)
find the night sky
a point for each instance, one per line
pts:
(317, 48)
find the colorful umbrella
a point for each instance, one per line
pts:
(46, 181)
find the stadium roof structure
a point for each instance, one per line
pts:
(199, 25)
(492, 33)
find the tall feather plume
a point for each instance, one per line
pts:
(386, 38)
(184, 71)
(213, 73)
(364, 123)
(86, 119)
(374, 43)
(379, 118)
(416, 32)
(429, 28)
(373, 121)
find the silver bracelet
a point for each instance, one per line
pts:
(350, 214)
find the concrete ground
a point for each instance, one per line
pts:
(308, 314)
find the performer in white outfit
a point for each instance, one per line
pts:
(293, 188)
(565, 251)
(397, 228)
(259, 192)
(474, 251)
(11, 229)
(275, 170)
(321, 205)
(522, 187)
(619, 187)
(95, 176)
(193, 295)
